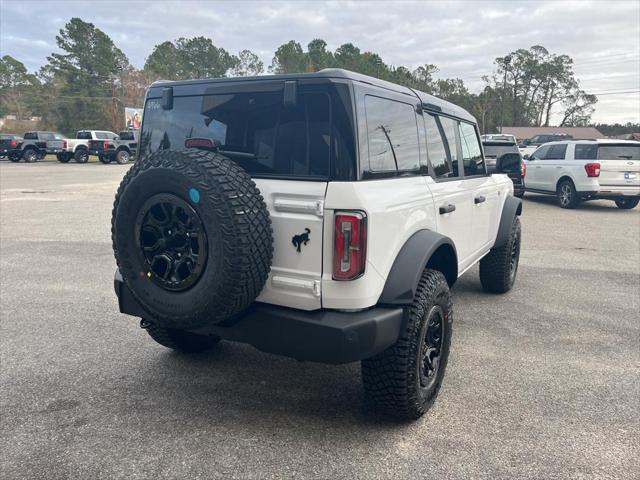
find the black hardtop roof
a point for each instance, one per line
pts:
(428, 101)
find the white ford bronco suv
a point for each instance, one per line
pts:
(321, 216)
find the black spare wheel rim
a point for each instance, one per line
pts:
(172, 241)
(432, 347)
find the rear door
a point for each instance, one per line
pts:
(452, 195)
(619, 164)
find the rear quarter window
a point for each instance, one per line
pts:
(30, 136)
(392, 133)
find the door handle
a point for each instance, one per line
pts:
(447, 208)
(479, 199)
(538, 166)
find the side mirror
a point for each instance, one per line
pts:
(508, 163)
(528, 157)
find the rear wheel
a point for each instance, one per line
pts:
(104, 159)
(627, 203)
(179, 340)
(63, 157)
(81, 156)
(405, 379)
(30, 155)
(567, 195)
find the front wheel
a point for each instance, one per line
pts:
(104, 159)
(14, 158)
(567, 195)
(627, 203)
(499, 267)
(405, 379)
(30, 156)
(63, 157)
(122, 157)
(179, 340)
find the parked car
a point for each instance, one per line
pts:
(321, 216)
(78, 148)
(122, 148)
(35, 145)
(529, 145)
(585, 170)
(503, 156)
(8, 145)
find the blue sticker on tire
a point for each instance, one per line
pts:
(194, 195)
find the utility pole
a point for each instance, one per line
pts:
(507, 61)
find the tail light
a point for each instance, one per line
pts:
(64, 144)
(105, 145)
(349, 246)
(13, 143)
(523, 169)
(593, 169)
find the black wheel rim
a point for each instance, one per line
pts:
(514, 256)
(432, 347)
(172, 242)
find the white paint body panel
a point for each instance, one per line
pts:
(396, 208)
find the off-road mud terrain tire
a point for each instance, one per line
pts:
(180, 340)
(393, 380)
(237, 230)
(497, 272)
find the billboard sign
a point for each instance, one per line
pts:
(132, 117)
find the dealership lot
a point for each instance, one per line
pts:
(542, 382)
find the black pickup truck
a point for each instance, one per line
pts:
(121, 149)
(34, 146)
(8, 144)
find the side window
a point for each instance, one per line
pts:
(450, 127)
(556, 152)
(392, 134)
(438, 149)
(100, 136)
(586, 151)
(471, 152)
(540, 153)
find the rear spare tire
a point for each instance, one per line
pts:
(192, 237)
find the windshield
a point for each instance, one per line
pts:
(619, 152)
(497, 149)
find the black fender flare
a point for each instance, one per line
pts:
(415, 255)
(512, 208)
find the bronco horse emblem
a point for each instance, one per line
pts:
(299, 240)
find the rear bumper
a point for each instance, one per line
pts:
(326, 336)
(612, 191)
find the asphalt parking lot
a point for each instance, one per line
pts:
(542, 382)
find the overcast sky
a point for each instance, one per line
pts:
(461, 38)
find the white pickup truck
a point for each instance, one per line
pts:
(78, 148)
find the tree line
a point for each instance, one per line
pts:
(91, 81)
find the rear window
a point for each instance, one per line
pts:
(83, 135)
(126, 136)
(619, 152)
(495, 149)
(256, 130)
